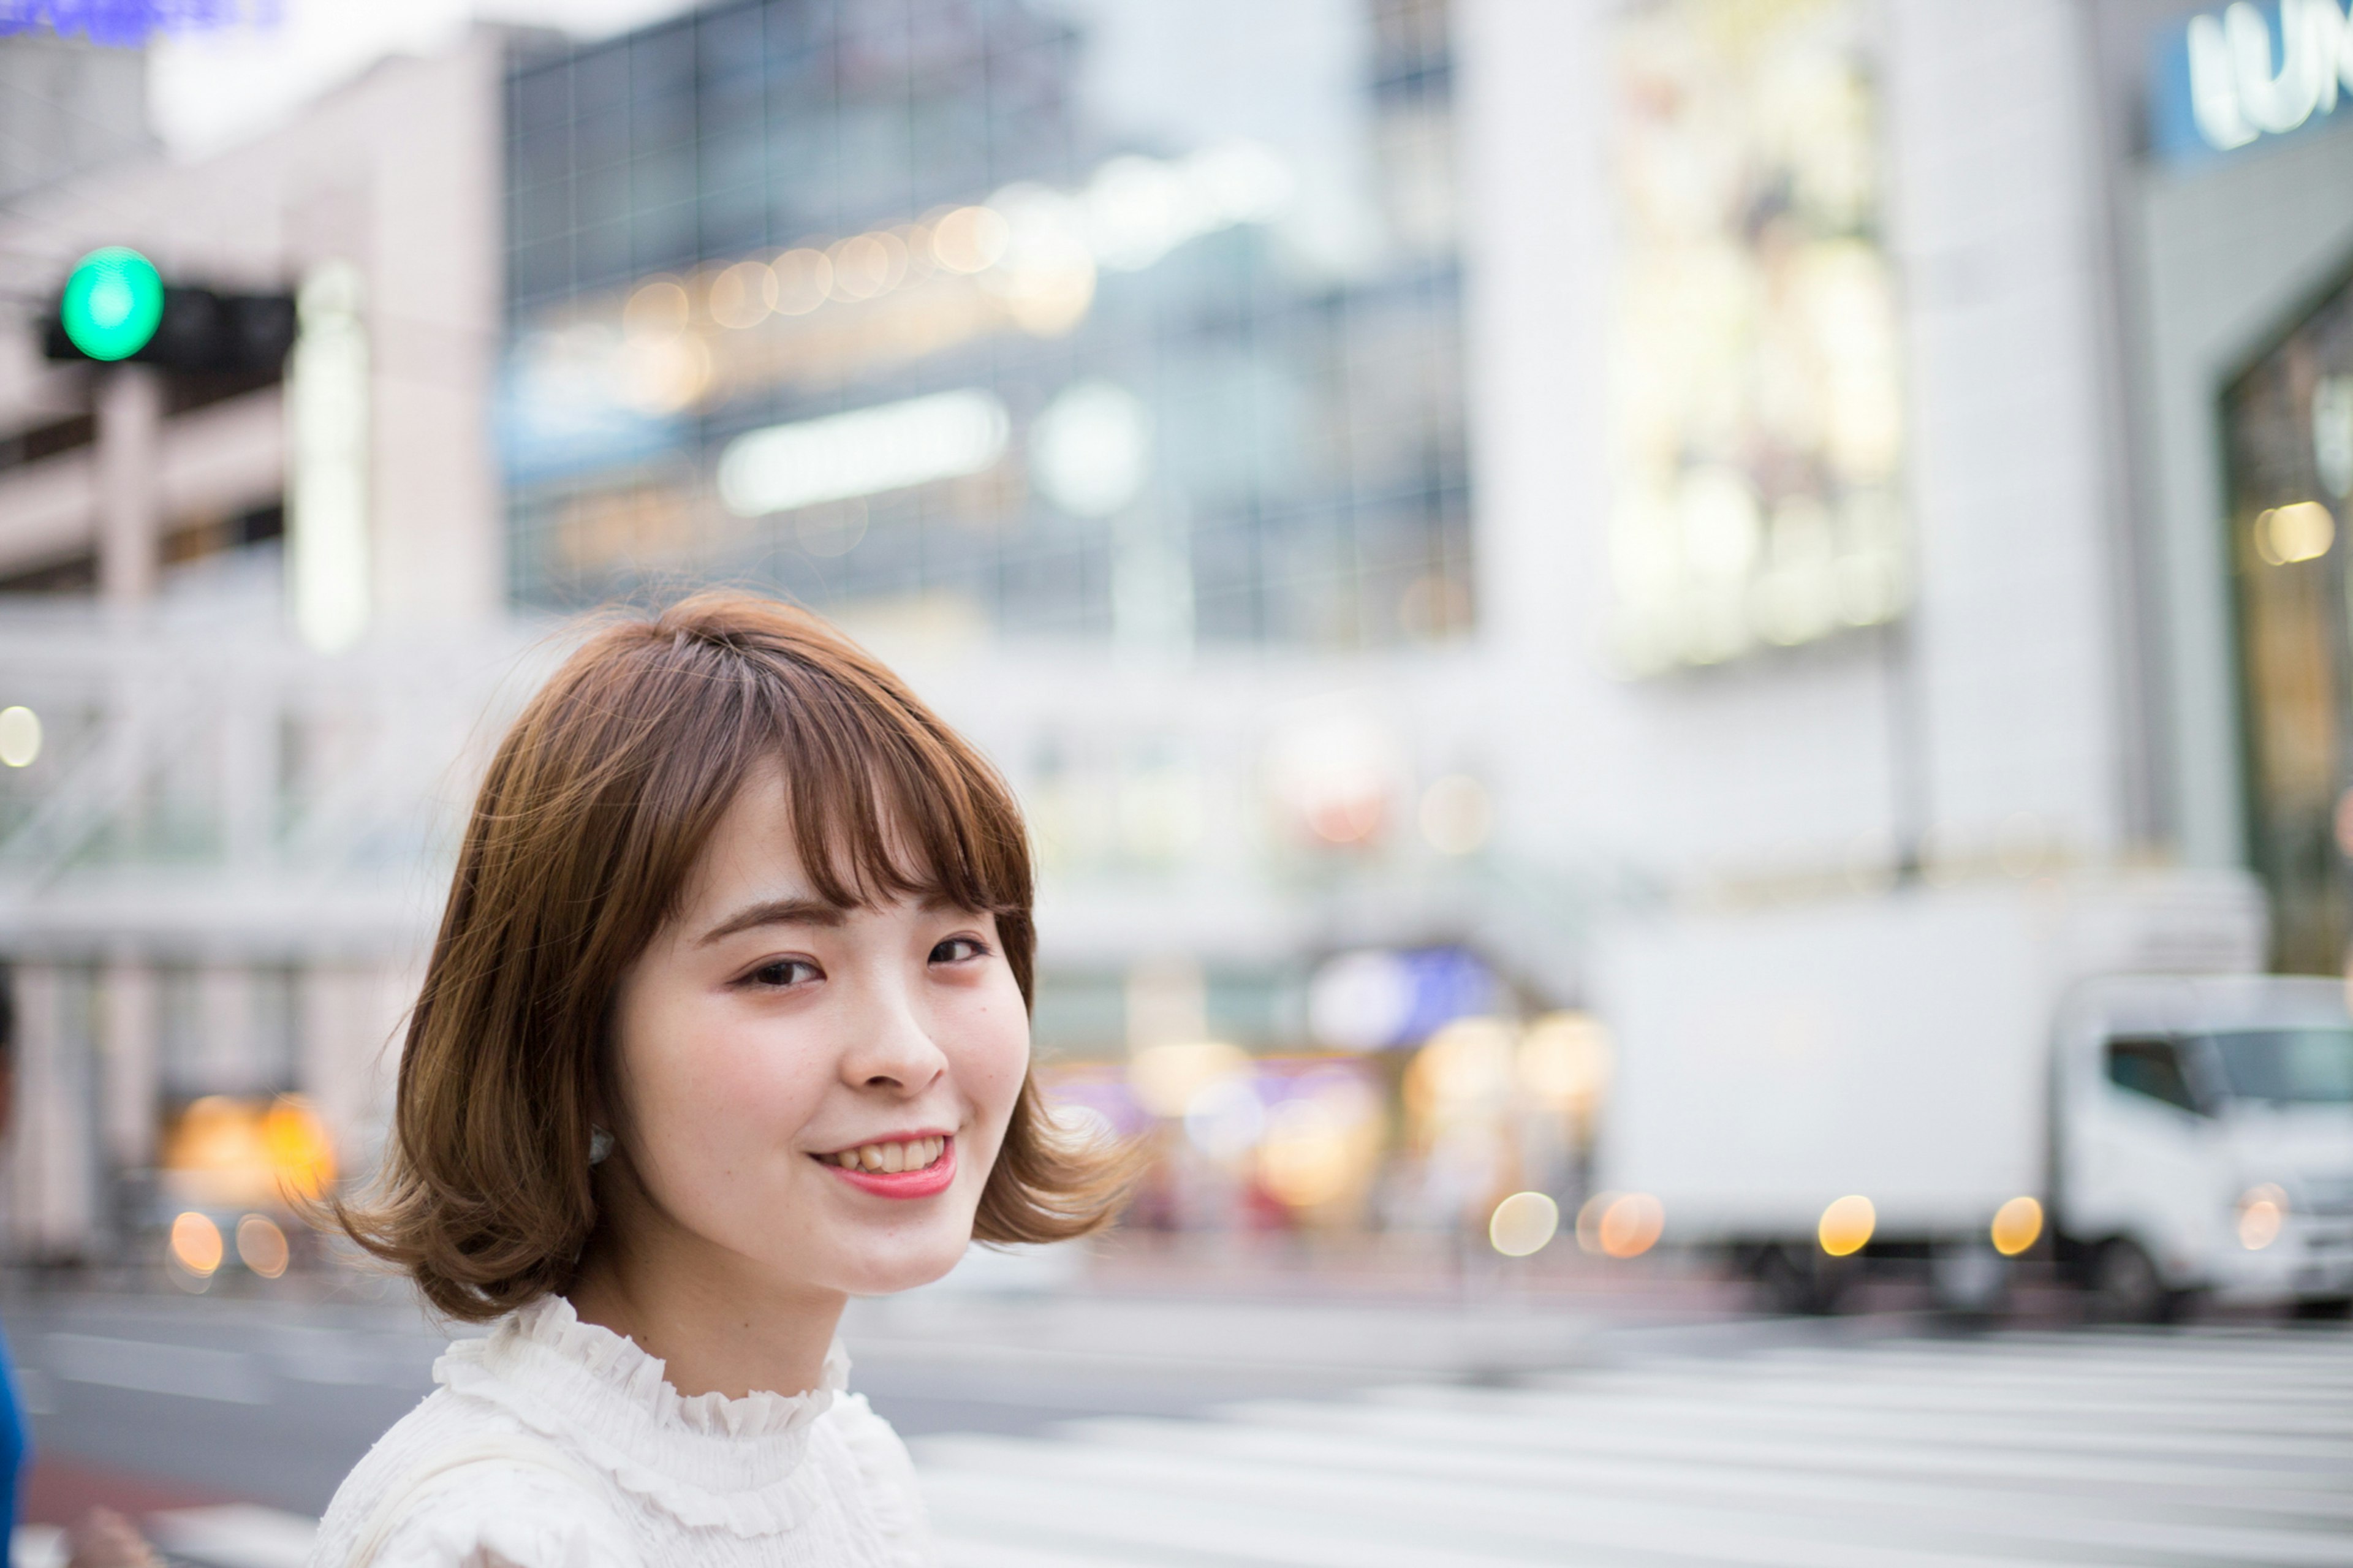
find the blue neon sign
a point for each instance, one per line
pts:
(127, 24)
(2246, 74)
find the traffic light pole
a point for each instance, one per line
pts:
(129, 482)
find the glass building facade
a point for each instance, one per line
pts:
(1124, 320)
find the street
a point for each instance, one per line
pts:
(1065, 1427)
(2215, 1447)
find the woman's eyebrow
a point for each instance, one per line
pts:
(774, 912)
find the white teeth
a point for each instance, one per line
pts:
(890, 1159)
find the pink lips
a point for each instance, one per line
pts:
(930, 1182)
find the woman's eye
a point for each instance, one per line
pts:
(958, 948)
(784, 971)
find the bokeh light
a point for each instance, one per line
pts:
(1846, 1226)
(2286, 535)
(195, 1243)
(2263, 1212)
(969, 239)
(1564, 1062)
(1523, 1223)
(1465, 1067)
(1091, 449)
(1454, 814)
(2016, 1225)
(742, 295)
(1305, 1159)
(301, 1157)
(1168, 1077)
(260, 1243)
(1334, 774)
(1361, 1001)
(20, 736)
(1224, 1120)
(225, 1151)
(1630, 1224)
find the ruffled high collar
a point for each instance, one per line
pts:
(708, 1460)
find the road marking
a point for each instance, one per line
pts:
(235, 1535)
(231, 1378)
(38, 1546)
(2065, 1451)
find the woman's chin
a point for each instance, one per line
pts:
(907, 1265)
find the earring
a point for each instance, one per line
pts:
(600, 1145)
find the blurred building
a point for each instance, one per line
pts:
(217, 821)
(1398, 487)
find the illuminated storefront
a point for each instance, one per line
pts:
(1757, 396)
(2289, 431)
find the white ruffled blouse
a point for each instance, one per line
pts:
(578, 1453)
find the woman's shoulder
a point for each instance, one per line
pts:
(886, 1477)
(459, 1484)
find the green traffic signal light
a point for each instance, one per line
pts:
(112, 303)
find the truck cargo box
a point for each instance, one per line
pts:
(1895, 1047)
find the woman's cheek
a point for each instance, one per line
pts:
(1008, 1062)
(725, 1077)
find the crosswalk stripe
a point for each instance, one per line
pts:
(1667, 1478)
(1934, 1428)
(1853, 1452)
(2174, 1450)
(1589, 1514)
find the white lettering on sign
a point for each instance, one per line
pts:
(2237, 92)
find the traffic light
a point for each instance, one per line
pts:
(116, 306)
(111, 304)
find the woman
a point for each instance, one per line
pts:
(726, 1022)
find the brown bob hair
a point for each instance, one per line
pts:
(593, 811)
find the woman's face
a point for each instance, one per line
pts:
(812, 1097)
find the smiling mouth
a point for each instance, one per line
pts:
(902, 1168)
(890, 1159)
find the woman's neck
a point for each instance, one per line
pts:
(716, 1326)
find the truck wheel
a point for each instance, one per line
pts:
(1791, 1282)
(1783, 1288)
(2127, 1286)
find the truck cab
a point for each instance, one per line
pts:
(2202, 1133)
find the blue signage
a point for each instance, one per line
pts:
(127, 24)
(2248, 73)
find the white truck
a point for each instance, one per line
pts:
(2180, 1123)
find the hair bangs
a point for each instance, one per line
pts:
(882, 807)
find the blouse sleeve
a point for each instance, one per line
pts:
(499, 1515)
(888, 1474)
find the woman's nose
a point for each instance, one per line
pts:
(891, 1044)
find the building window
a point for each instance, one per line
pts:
(1197, 287)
